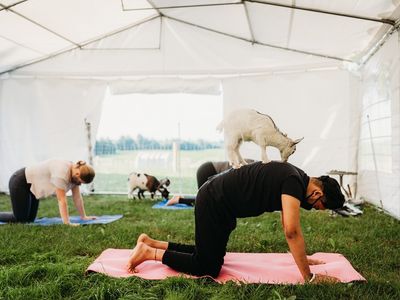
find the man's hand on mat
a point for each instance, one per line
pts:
(86, 218)
(320, 278)
(312, 262)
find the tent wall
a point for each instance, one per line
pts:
(40, 119)
(328, 107)
(315, 105)
(54, 75)
(379, 155)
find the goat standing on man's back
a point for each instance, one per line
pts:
(251, 125)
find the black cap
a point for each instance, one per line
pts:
(334, 198)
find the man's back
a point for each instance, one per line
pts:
(256, 188)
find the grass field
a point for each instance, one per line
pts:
(49, 262)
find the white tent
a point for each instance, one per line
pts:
(325, 70)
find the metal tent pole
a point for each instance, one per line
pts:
(375, 163)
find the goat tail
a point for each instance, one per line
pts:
(220, 126)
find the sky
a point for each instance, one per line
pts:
(161, 116)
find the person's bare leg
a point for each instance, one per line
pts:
(143, 252)
(173, 200)
(144, 238)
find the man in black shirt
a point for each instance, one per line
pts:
(204, 172)
(245, 192)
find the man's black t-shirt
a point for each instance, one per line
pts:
(257, 188)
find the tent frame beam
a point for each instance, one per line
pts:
(21, 45)
(3, 7)
(179, 6)
(246, 11)
(379, 44)
(154, 7)
(40, 25)
(395, 26)
(79, 46)
(385, 21)
(259, 43)
(83, 47)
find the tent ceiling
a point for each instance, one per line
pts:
(131, 37)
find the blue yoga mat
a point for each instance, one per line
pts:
(74, 219)
(161, 205)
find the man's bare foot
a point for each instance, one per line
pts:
(141, 253)
(144, 238)
(173, 200)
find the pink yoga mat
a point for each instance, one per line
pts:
(272, 268)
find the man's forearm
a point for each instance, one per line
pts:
(297, 248)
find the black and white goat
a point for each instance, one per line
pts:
(145, 182)
(250, 125)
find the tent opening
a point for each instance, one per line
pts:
(164, 135)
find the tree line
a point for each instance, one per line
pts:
(106, 146)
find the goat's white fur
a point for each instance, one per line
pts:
(250, 125)
(136, 181)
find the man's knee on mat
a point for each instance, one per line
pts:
(209, 268)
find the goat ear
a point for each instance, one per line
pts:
(297, 141)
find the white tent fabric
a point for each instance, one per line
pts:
(41, 119)
(184, 36)
(184, 51)
(379, 151)
(319, 68)
(326, 124)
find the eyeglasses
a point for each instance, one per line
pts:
(319, 199)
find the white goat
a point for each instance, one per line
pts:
(250, 125)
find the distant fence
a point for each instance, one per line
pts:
(177, 161)
(126, 143)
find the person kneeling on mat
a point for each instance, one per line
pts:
(239, 193)
(46, 178)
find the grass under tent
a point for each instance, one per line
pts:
(48, 262)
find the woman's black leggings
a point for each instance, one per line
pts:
(213, 227)
(205, 171)
(24, 203)
(187, 200)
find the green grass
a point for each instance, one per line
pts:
(49, 262)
